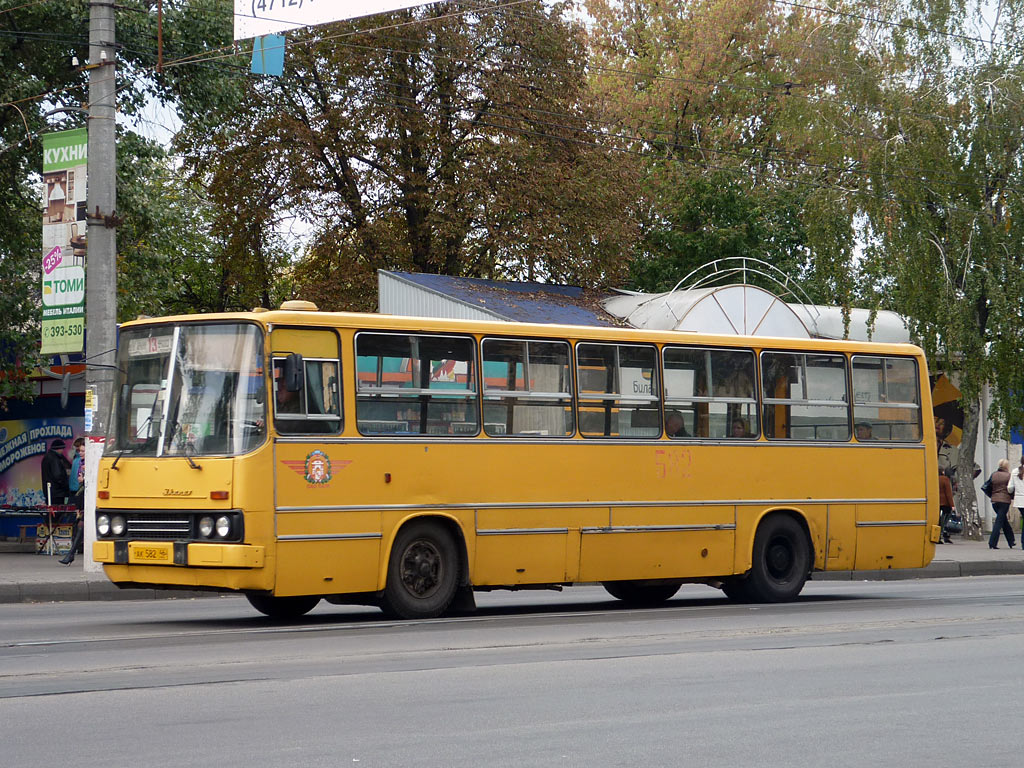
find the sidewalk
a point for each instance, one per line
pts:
(26, 577)
(29, 578)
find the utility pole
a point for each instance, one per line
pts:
(101, 267)
(101, 252)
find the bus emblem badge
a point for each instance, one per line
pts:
(318, 468)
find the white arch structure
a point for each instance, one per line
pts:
(735, 308)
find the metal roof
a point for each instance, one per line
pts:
(513, 301)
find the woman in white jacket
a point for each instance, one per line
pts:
(1015, 487)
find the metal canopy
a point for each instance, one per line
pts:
(745, 310)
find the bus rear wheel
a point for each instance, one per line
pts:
(423, 572)
(781, 561)
(646, 593)
(283, 607)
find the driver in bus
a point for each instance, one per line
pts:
(285, 401)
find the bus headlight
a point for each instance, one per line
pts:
(206, 527)
(223, 526)
(103, 525)
(118, 525)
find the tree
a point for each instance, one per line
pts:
(169, 259)
(719, 98)
(32, 64)
(42, 91)
(458, 145)
(943, 200)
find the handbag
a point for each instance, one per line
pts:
(954, 523)
(986, 487)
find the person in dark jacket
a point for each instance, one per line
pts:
(1001, 504)
(946, 504)
(54, 469)
(77, 485)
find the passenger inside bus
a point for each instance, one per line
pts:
(674, 425)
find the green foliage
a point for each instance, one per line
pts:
(712, 96)
(32, 63)
(718, 216)
(944, 194)
(168, 260)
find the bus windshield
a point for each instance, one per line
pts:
(189, 390)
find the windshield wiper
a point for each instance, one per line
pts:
(185, 449)
(183, 443)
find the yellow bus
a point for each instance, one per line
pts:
(294, 455)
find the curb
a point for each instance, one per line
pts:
(74, 591)
(78, 591)
(943, 569)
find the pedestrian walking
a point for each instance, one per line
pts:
(1001, 504)
(946, 505)
(76, 483)
(1016, 490)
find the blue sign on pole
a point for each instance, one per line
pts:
(268, 55)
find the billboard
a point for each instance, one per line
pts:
(22, 445)
(264, 17)
(64, 241)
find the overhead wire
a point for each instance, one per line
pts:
(198, 59)
(814, 99)
(890, 23)
(711, 84)
(397, 25)
(760, 157)
(23, 5)
(395, 102)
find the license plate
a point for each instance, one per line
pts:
(150, 553)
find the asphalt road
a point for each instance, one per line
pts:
(907, 673)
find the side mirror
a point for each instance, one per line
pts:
(294, 373)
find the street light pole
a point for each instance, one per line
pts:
(101, 203)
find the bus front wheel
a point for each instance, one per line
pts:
(642, 592)
(423, 572)
(283, 607)
(781, 561)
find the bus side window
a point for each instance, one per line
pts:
(886, 399)
(315, 408)
(618, 390)
(526, 387)
(805, 396)
(711, 391)
(416, 384)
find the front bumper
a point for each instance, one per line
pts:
(179, 554)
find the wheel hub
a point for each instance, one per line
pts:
(421, 569)
(779, 559)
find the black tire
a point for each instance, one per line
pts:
(423, 572)
(645, 593)
(781, 561)
(283, 607)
